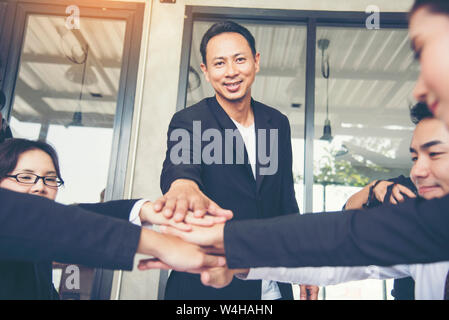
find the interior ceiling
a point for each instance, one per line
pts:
(372, 74)
(51, 71)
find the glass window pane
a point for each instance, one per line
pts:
(66, 93)
(364, 80)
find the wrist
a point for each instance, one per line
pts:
(371, 195)
(147, 242)
(145, 212)
(218, 241)
(184, 182)
(374, 183)
(241, 274)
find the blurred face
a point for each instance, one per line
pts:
(429, 33)
(430, 155)
(39, 163)
(231, 66)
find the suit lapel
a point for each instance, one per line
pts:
(262, 121)
(226, 122)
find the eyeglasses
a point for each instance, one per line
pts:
(31, 178)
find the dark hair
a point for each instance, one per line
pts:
(11, 149)
(434, 6)
(419, 112)
(222, 27)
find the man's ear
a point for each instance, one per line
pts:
(256, 61)
(204, 69)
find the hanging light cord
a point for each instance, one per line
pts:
(326, 72)
(83, 77)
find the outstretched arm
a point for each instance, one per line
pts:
(415, 231)
(37, 229)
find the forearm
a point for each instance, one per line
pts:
(357, 200)
(36, 229)
(171, 173)
(415, 231)
(150, 243)
(119, 209)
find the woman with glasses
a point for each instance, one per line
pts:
(32, 167)
(28, 167)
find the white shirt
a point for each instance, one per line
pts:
(249, 138)
(270, 289)
(134, 215)
(429, 278)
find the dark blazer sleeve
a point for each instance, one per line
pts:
(289, 203)
(119, 209)
(171, 171)
(415, 231)
(36, 229)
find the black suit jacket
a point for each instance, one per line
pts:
(415, 231)
(34, 231)
(404, 288)
(231, 186)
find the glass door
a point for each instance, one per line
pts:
(72, 72)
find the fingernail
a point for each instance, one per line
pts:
(199, 214)
(186, 227)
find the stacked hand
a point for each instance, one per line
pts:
(149, 215)
(211, 241)
(190, 225)
(194, 227)
(184, 195)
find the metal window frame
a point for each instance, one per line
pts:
(12, 36)
(312, 19)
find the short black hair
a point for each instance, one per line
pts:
(434, 6)
(222, 27)
(11, 149)
(419, 112)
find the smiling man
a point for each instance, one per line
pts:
(248, 169)
(430, 156)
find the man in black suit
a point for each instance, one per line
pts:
(415, 231)
(226, 168)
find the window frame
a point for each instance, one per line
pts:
(12, 39)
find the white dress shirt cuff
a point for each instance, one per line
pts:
(134, 217)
